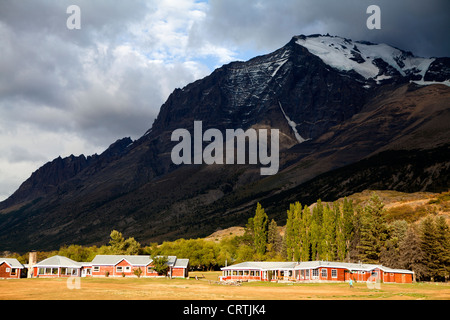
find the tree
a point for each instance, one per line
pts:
(78, 253)
(348, 224)
(315, 239)
(274, 240)
(411, 254)
(260, 230)
(428, 244)
(373, 230)
(117, 241)
(118, 244)
(354, 251)
(292, 233)
(390, 253)
(341, 240)
(138, 272)
(305, 226)
(159, 264)
(443, 248)
(328, 234)
(289, 234)
(316, 231)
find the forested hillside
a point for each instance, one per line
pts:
(398, 230)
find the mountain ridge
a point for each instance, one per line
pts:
(342, 117)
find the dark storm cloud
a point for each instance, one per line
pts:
(418, 26)
(97, 78)
(76, 91)
(103, 19)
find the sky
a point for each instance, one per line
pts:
(76, 91)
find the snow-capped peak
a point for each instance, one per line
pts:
(372, 61)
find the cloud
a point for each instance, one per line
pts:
(76, 91)
(418, 26)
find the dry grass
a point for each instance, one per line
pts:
(207, 289)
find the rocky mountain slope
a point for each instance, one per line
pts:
(352, 115)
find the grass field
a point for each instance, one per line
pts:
(207, 289)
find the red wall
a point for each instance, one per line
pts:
(342, 275)
(178, 272)
(113, 273)
(4, 274)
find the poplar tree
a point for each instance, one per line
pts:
(260, 226)
(341, 240)
(316, 231)
(314, 239)
(297, 241)
(292, 233)
(328, 234)
(274, 240)
(289, 233)
(348, 223)
(354, 250)
(305, 229)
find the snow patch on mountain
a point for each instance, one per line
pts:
(278, 67)
(364, 57)
(293, 125)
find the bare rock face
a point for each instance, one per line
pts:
(350, 116)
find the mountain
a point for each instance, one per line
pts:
(351, 116)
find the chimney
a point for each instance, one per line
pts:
(32, 260)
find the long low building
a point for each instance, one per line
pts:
(126, 265)
(101, 266)
(313, 271)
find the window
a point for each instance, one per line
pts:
(119, 269)
(307, 274)
(96, 269)
(333, 273)
(324, 273)
(8, 270)
(315, 273)
(127, 269)
(13, 272)
(43, 271)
